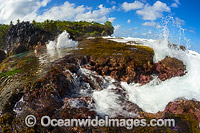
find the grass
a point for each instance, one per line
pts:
(11, 72)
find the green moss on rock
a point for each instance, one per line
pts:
(100, 48)
(11, 72)
(120, 61)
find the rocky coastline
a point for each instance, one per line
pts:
(24, 90)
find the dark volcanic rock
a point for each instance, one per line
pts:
(186, 114)
(24, 36)
(122, 62)
(184, 106)
(122, 69)
(66, 90)
(170, 67)
(45, 95)
(127, 63)
(177, 47)
(2, 55)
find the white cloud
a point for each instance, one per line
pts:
(22, 9)
(27, 10)
(66, 11)
(153, 12)
(179, 21)
(111, 19)
(112, 2)
(177, 1)
(175, 5)
(129, 21)
(192, 31)
(116, 27)
(132, 6)
(114, 7)
(147, 33)
(151, 24)
(99, 15)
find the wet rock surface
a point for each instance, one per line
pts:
(127, 63)
(170, 67)
(14, 73)
(122, 62)
(24, 36)
(65, 91)
(177, 47)
(184, 112)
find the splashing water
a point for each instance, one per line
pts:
(154, 97)
(62, 41)
(58, 48)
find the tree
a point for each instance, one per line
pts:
(18, 21)
(109, 28)
(108, 23)
(11, 23)
(34, 22)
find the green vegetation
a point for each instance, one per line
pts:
(3, 32)
(100, 48)
(76, 29)
(21, 63)
(10, 73)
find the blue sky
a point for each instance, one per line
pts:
(134, 18)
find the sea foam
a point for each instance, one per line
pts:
(154, 96)
(62, 41)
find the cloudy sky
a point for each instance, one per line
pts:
(134, 18)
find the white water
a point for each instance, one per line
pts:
(58, 48)
(107, 100)
(154, 97)
(62, 41)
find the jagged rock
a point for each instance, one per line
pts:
(186, 114)
(2, 55)
(57, 94)
(122, 62)
(170, 67)
(127, 63)
(178, 47)
(24, 36)
(183, 106)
